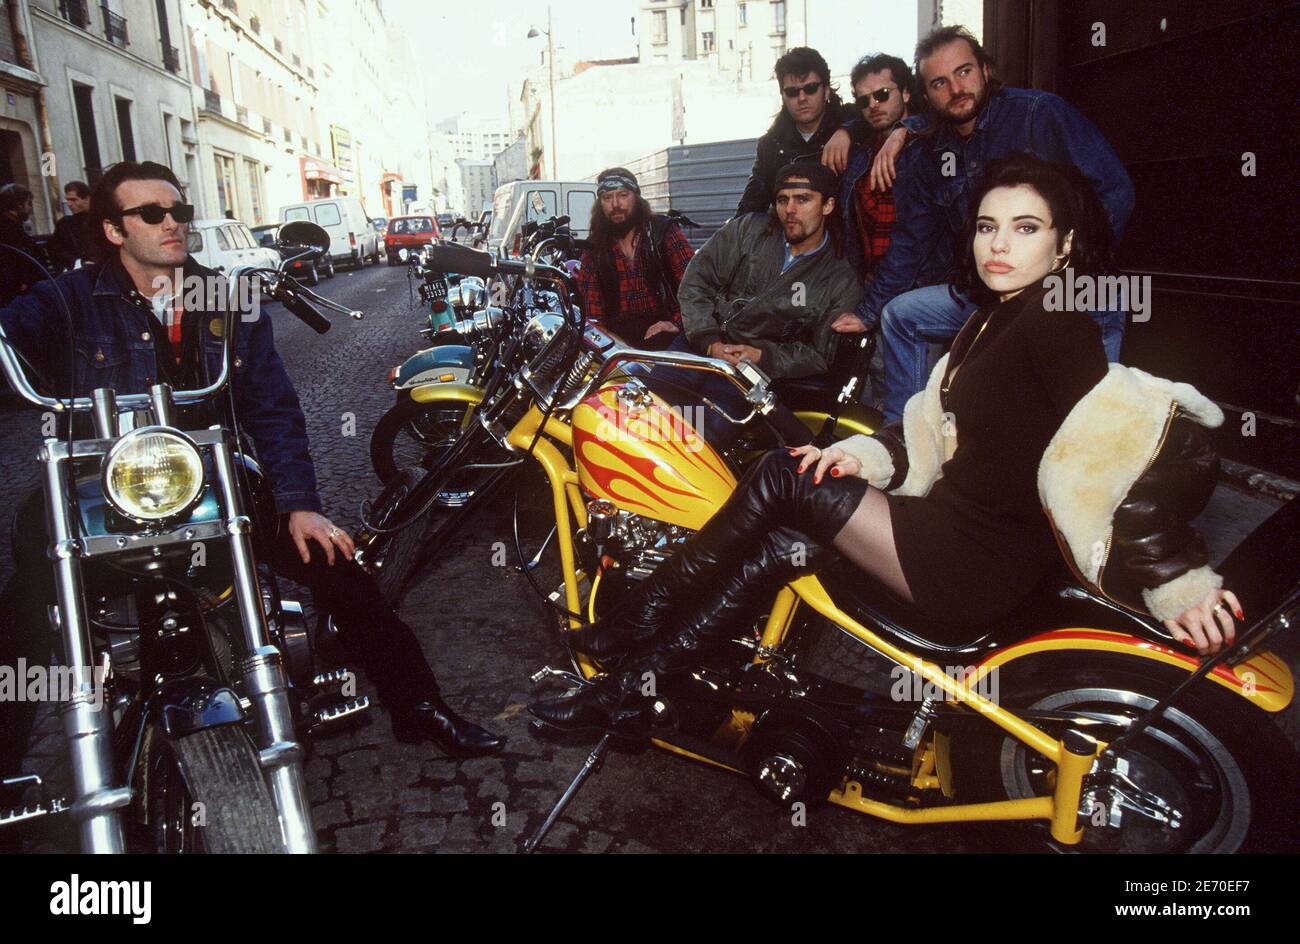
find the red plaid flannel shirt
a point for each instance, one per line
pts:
(876, 215)
(635, 296)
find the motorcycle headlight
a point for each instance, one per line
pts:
(152, 474)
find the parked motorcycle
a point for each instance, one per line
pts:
(1078, 718)
(194, 679)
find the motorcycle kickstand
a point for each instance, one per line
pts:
(592, 762)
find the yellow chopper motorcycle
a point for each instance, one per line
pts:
(1079, 720)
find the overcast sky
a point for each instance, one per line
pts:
(471, 49)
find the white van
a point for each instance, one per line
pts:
(514, 204)
(352, 239)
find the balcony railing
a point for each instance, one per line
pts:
(75, 12)
(171, 58)
(114, 27)
(211, 101)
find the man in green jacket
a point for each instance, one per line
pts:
(767, 288)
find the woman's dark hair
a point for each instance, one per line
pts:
(1070, 199)
(903, 78)
(104, 205)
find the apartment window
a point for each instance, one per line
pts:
(706, 40)
(83, 101)
(75, 12)
(124, 131)
(226, 200)
(778, 16)
(706, 4)
(742, 15)
(661, 26)
(682, 17)
(253, 172)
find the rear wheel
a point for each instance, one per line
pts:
(205, 793)
(1210, 756)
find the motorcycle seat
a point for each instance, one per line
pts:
(1058, 602)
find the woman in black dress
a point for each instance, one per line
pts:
(1044, 425)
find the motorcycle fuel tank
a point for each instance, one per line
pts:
(635, 450)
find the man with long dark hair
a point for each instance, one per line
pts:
(138, 320)
(811, 112)
(635, 261)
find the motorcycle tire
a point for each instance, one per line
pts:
(1213, 756)
(393, 558)
(412, 434)
(329, 269)
(313, 275)
(205, 793)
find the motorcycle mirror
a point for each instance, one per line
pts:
(302, 233)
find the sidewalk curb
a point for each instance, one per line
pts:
(1256, 480)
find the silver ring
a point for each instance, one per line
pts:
(1219, 606)
(335, 531)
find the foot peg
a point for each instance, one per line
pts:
(331, 715)
(328, 680)
(548, 672)
(42, 807)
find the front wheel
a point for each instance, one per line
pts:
(413, 434)
(204, 793)
(1211, 756)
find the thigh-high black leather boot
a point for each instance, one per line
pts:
(771, 495)
(730, 607)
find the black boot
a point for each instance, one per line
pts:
(772, 495)
(730, 607)
(433, 720)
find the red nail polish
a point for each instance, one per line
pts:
(1241, 615)
(835, 472)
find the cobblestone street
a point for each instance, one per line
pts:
(485, 632)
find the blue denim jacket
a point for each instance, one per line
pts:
(112, 346)
(933, 205)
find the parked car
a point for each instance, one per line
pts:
(310, 267)
(224, 244)
(381, 224)
(410, 232)
(445, 220)
(380, 227)
(514, 204)
(353, 240)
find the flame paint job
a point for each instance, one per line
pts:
(650, 462)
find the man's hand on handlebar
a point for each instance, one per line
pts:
(734, 353)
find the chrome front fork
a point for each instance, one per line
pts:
(85, 717)
(263, 671)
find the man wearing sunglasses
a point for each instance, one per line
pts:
(811, 112)
(137, 321)
(972, 119)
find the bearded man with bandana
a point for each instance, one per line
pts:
(635, 261)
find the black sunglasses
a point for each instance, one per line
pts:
(879, 96)
(792, 91)
(153, 214)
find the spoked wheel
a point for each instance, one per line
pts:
(204, 793)
(1211, 757)
(413, 434)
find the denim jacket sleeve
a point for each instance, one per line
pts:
(1061, 132)
(269, 411)
(35, 325)
(920, 228)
